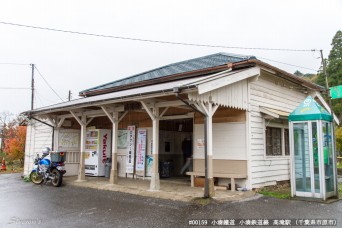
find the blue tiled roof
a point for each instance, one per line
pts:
(175, 68)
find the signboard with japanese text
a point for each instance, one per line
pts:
(141, 149)
(130, 149)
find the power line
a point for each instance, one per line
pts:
(287, 64)
(47, 99)
(158, 41)
(48, 83)
(19, 64)
(13, 88)
(40, 100)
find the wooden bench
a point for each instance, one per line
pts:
(230, 176)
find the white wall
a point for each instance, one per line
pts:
(38, 137)
(229, 141)
(270, 92)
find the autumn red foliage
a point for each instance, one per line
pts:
(15, 143)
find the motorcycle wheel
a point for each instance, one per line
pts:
(36, 178)
(57, 178)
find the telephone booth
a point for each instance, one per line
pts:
(313, 158)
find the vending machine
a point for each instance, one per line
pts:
(97, 150)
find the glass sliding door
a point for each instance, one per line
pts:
(306, 159)
(315, 156)
(302, 157)
(328, 156)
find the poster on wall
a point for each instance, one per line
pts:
(141, 150)
(149, 161)
(68, 140)
(200, 143)
(130, 149)
(122, 139)
(149, 165)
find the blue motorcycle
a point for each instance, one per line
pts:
(49, 167)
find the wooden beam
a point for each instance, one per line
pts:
(148, 110)
(60, 122)
(203, 108)
(215, 107)
(77, 119)
(122, 116)
(88, 122)
(164, 111)
(94, 113)
(175, 117)
(53, 122)
(110, 117)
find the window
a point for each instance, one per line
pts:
(286, 141)
(277, 141)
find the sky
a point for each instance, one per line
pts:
(77, 62)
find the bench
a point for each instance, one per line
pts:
(230, 176)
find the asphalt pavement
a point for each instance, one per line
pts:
(23, 204)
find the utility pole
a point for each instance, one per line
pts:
(32, 87)
(333, 119)
(69, 96)
(326, 81)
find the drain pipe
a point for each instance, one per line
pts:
(176, 90)
(53, 130)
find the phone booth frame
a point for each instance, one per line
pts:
(312, 149)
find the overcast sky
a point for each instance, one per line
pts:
(77, 62)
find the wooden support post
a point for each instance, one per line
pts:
(210, 150)
(209, 111)
(154, 115)
(82, 122)
(115, 119)
(114, 171)
(155, 182)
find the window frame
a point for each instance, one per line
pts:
(282, 127)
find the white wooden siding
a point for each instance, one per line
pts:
(270, 92)
(229, 141)
(233, 96)
(38, 137)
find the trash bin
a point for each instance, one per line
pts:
(165, 169)
(108, 167)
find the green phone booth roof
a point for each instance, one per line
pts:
(309, 109)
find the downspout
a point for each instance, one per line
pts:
(53, 130)
(206, 186)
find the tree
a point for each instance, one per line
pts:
(338, 134)
(13, 136)
(298, 73)
(334, 71)
(4, 120)
(15, 145)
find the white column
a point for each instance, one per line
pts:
(210, 150)
(155, 181)
(154, 115)
(209, 111)
(114, 171)
(83, 123)
(81, 170)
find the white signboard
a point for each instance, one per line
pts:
(122, 139)
(130, 149)
(141, 150)
(68, 140)
(200, 143)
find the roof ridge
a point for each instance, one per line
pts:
(243, 57)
